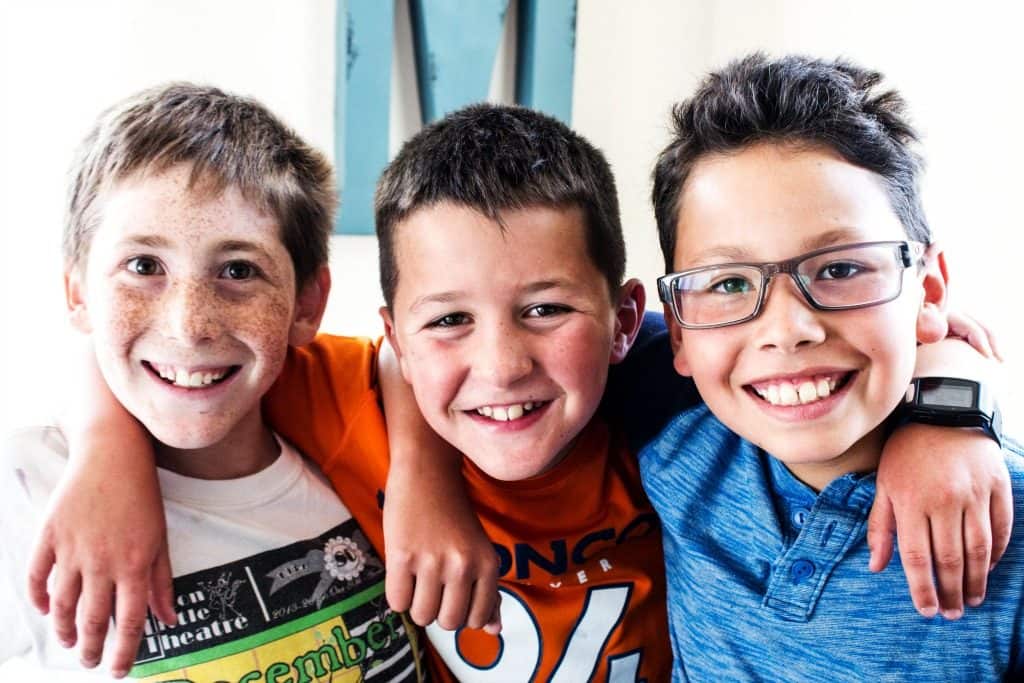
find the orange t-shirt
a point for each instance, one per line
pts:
(581, 569)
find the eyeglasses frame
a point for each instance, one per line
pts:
(911, 253)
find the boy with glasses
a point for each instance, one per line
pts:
(803, 278)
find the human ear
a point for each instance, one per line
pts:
(310, 304)
(675, 337)
(392, 336)
(932, 325)
(629, 315)
(74, 296)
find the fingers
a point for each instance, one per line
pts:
(41, 561)
(881, 528)
(947, 531)
(916, 557)
(977, 553)
(132, 598)
(483, 610)
(976, 334)
(67, 586)
(398, 582)
(426, 600)
(161, 589)
(493, 625)
(94, 609)
(1001, 516)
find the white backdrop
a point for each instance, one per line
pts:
(62, 62)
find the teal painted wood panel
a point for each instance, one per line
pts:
(364, 30)
(546, 56)
(456, 45)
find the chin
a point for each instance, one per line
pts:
(192, 438)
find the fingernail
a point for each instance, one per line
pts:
(119, 673)
(952, 614)
(928, 612)
(975, 601)
(89, 663)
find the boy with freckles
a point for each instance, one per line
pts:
(196, 250)
(502, 265)
(802, 276)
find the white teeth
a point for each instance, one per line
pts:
(183, 378)
(788, 395)
(507, 413)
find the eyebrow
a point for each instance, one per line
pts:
(454, 295)
(734, 254)
(161, 242)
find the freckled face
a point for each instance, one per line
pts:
(505, 336)
(190, 298)
(768, 203)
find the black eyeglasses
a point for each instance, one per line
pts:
(831, 279)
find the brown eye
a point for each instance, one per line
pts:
(143, 265)
(238, 270)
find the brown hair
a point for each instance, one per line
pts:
(492, 158)
(229, 141)
(800, 101)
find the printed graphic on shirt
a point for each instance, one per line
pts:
(312, 611)
(573, 609)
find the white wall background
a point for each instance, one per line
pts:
(61, 62)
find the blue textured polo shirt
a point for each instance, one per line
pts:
(769, 581)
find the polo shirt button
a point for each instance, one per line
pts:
(801, 571)
(799, 516)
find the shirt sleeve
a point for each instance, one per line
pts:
(320, 390)
(644, 392)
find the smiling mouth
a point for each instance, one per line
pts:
(509, 412)
(801, 390)
(191, 379)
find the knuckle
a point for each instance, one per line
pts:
(916, 559)
(978, 552)
(94, 625)
(130, 627)
(63, 607)
(949, 560)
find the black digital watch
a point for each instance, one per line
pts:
(950, 402)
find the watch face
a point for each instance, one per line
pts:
(947, 394)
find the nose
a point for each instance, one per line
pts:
(504, 356)
(787, 321)
(190, 313)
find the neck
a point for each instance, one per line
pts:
(248, 448)
(862, 457)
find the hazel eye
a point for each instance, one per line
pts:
(144, 265)
(238, 270)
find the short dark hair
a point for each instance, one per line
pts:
(494, 158)
(229, 141)
(792, 100)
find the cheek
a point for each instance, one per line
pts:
(436, 371)
(263, 323)
(121, 317)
